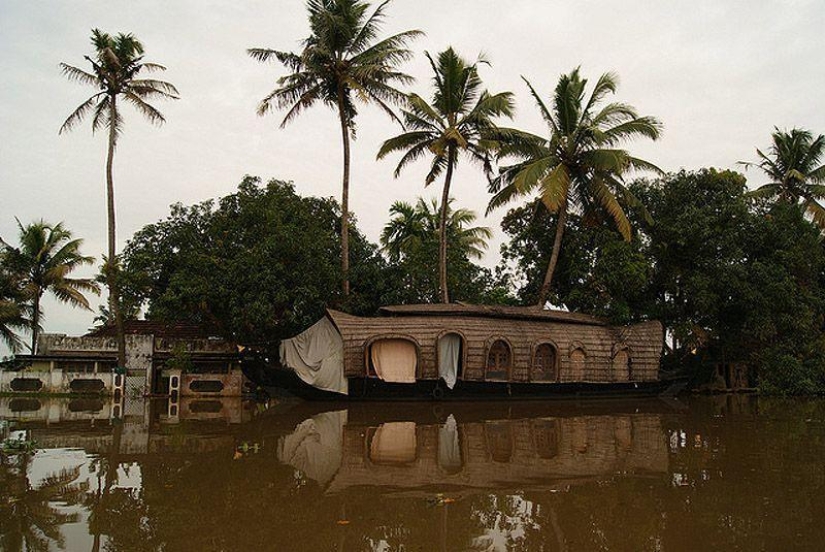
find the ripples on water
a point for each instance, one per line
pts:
(711, 473)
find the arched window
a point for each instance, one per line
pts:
(578, 359)
(544, 363)
(450, 355)
(499, 361)
(393, 360)
(621, 366)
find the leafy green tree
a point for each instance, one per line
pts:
(258, 266)
(736, 281)
(794, 165)
(47, 255)
(117, 75)
(411, 226)
(459, 120)
(598, 272)
(411, 239)
(342, 60)
(696, 248)
(579, 166)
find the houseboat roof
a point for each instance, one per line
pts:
(492, 311)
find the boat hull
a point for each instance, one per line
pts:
(276, 380)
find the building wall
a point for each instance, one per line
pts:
(54, 381)
(142, 353)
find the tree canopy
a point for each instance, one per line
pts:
(579, 165)
(342, 61)
(41, 264)
(458, 122)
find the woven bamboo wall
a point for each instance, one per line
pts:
(642, 344)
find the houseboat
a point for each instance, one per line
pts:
(460, 351)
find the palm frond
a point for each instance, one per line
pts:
(78, 114)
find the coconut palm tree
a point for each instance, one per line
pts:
(13, 308)
(579, 164)
(411, 227)
(342, 60)
(47, 255)
(794, 165)
(459, 121)
(117, 75)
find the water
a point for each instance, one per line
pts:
(707, 473)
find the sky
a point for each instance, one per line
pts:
(719, 74)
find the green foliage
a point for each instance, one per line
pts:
(259, 265)
(341, 60)
(117, 72)
(19, 445)
(42, 263)
(731, 280)
(458, 122)
(794, 166)
(696, 248)
(180, 359)
(598, 271)
(411, 240)
(14, 310)
(579, 167)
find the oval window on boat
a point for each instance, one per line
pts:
(544, 363)
(499, 361)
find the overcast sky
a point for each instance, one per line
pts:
(720, 74)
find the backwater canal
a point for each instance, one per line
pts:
(700, 473)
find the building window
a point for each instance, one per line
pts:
(621, 366)
(499, 361)
(544, 363)
(578, 359)
(76, 366)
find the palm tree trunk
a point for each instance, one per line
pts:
(344, 195)
(554, 257)
(35, 323)
(442, 230)
(111, 281)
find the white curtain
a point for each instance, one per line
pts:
(317, 356)
(449, 350)
(394, 360)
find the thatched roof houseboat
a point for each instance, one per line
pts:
(459, 350)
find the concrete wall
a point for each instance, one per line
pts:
(141, 351)
(232, 384)
(55, 381)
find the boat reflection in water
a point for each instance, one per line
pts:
(483, 454)
(741, 474)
